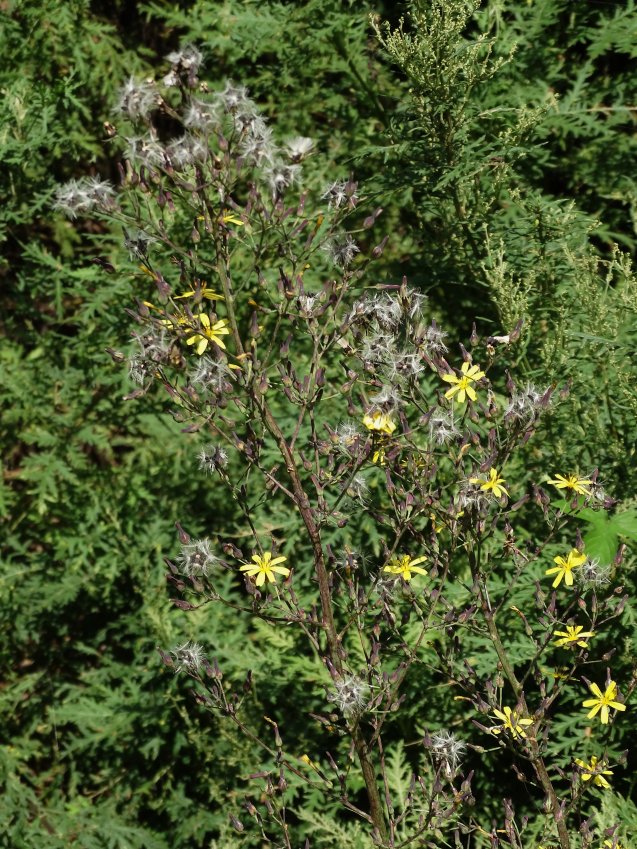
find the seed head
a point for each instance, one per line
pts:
(136, 243)
(377, 348)
(137, 99)
(201, 115)
(186, 151)
(195, 558)
(299, 147)
(212, 458)
(188, 657)
(145, 151)
(389, 398)
(448, 750)
(280, 177)
(351, 695)
(187, 58)
(433, 340)
(403, 365)
(211, 375)
(256, 143)
(593, 574)
(358, 488)
(342, 251)
(78, 197)
(442, 428)
(415, 302)
(139, 370)
(340, 193)
(233, 97)
(524, 405)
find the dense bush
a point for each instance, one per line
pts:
(505, 184)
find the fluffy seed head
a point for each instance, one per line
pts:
(442, 428)
(137, 99)
(212, 458)
(592, 574)
(524, 404)
(188, 657)
(342, 251)
(448, 750)
(433, 340)
(351, 695)
(201, 115)
(281, 176)
(340, 193)
(196, 559)
(299, 147)
(187, 58)
(78, 197)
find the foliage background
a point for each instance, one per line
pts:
(515, 214)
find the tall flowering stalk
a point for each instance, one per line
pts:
(315, 395)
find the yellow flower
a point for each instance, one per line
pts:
(603, 701)
(574, 634)
(491, 483)
(608, 844)
(511, 721)
(403, 565)
(379, 422)
(577, 484)
(378, 456)
(265, 567)
(202, 291)
(230, 218)
(565, 566)
(595, 770)
(208, 333)
(463, 384)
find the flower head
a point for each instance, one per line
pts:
(565, 566)
(264, 566)
(462, 385)
(492, 483)
(200, 290)
(595, 770)
(579, 485)
(208, 332)
(379, 422)
(512, 722)
(403, 566)
(574, 635)
(603, 701)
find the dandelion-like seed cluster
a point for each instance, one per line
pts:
(188, 658)
(448, 750)
(196, 559)
(351, 695)
(212, 458)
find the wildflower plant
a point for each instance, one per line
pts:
(307, 388)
